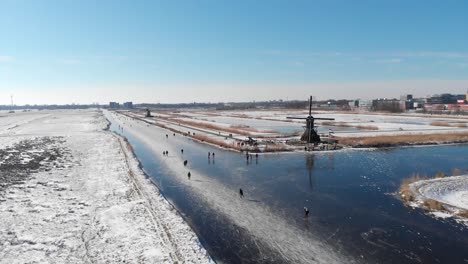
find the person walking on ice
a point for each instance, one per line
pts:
(241, 193)
(306, 212)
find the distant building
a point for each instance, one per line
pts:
(359, 104)
(353, 104)
(447, 102)
(114, 105)
(389, 105)
(446, 107)
(365, 104)
(406, 102)
(445, 98)
(128, 105)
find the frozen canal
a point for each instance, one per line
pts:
(354, 216)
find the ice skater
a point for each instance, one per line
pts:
(182, 151)
(209, 155)
(306, 212)
(241, 193)
(213, 155)
(185, 162)
(189, 175)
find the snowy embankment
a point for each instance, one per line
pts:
(452, 192)
(78, 196)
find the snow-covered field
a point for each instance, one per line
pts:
(451, 191)
(73, 193)
(383, 124)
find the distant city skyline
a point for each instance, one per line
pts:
(63, 52)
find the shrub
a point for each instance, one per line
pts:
(463, 213)
(438, 123)
(456, 172)
(457, 124)
(342, 124)
(433, 205)
(276, 147)
(405, 191)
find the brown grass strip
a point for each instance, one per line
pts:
(276, 148)
(433, 205)
(446, 124)
(400, 140)
(343, 124)
(463, 213)
(405, 190)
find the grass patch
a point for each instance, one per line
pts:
(405, 191)
(456, 172)
(397, 140)
(343, 124)
(463, 213)
(438, 123)
(276, 148)
(446, 124)
(433, 205)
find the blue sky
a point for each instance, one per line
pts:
(68, 51)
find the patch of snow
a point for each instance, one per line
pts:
(99, 208)
(451, 191)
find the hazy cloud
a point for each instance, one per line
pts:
(296, 63)
(406, 54)
(431, 54)
(393, 60)
(6, 58)
(71, 61)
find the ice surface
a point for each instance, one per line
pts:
(263, 224)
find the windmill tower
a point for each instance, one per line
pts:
(11, 105)
(310, 134)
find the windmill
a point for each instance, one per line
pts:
(310, 134)
(11, 106)
(148, 113)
